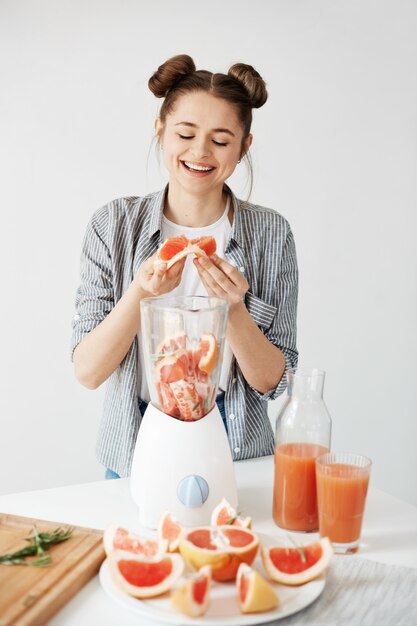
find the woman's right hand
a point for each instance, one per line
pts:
(154, 279)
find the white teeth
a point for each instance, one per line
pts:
(200, 168)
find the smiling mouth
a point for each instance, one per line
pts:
(197, 168)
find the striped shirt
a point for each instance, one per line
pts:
(126, 232)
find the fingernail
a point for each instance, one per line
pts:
(202, 260)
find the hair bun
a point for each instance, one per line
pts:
(252, 82)
(169, 73)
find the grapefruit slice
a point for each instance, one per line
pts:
(170, 345)
(296, 566)
(118, 538)
(169, 369)
(222, 547)
(169, 530)
(167, 399)
(207, 244)
(192, 598)
(225, 514)
(254, 593)
(175, 248)
(209, 351)
(145, 578)
(188, 401)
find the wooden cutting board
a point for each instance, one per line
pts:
(30, 596)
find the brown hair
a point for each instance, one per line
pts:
(242, 86)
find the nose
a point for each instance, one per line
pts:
(201, 147)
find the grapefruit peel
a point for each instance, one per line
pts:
(254, 593)
(144, 578)
(308, 561)
(192, 598)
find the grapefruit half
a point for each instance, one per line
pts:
(192, 598)
(222, 547)
(254, 593)
(296, 566)
(145, 578)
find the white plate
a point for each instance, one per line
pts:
(223, 608)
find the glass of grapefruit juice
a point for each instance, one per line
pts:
(342, 486)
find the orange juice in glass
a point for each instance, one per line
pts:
(342, 486)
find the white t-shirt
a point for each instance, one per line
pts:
(191, 284)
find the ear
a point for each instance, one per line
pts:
(158, 126)
(246, 145)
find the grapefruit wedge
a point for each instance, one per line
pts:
(118, 538)
(254, 593)
(209, 351)
(192, 598)
(145, 578)
(175, 248)
(169, 530)
(296, 566)
(222, 547)
(225, 514)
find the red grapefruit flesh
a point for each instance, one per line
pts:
(169, 369)
(296, 566)
(207, 244)
(171, 247)
(189, 403)
(145, 578)
(167, 399)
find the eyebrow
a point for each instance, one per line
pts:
(215, 130)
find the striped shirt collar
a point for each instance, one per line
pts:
(157, 207)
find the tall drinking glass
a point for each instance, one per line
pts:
(342, 485)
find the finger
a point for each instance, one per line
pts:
(227, 268)
(217, 274)
(210, 283)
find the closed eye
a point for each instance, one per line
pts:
(186, 136)
(218, 143)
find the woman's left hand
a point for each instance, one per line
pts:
(222, 279)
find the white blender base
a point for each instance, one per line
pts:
(168, 451)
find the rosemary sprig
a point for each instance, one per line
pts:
(38, 544)
(299, 548)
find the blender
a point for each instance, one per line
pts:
(182, 461)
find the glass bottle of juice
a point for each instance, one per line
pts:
(303, 431)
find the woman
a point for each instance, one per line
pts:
(203, 131)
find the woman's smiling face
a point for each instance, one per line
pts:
(202, 141)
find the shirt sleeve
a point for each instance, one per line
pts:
(278, 319)
(95, 296)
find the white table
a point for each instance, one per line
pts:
(389, 532)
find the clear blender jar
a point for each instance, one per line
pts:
(183, 340)
(182, 460)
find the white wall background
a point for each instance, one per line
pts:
(335, 151)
